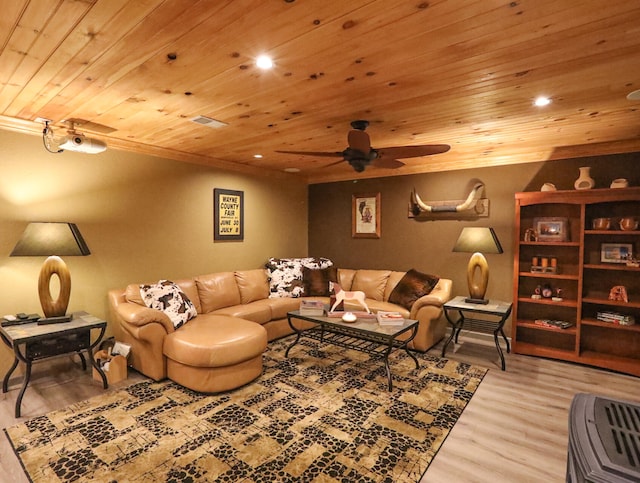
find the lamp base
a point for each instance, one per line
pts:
(58, 307)
(476, 301)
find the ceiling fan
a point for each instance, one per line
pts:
(359, 154)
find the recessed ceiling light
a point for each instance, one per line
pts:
(264, 62)
(542, 101)
(292, 170)
(634, 95)
(257, 156)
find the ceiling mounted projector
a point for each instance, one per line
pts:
(73, 141)
(82, 144)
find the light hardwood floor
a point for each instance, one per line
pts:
(514, 429)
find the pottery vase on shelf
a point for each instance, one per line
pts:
(584, 181)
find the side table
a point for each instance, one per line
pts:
(495, 309)
(32, 342)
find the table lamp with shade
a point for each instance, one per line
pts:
(477, 240)
(52, 240)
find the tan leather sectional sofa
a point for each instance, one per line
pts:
(224, 302)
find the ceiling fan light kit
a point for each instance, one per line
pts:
(359, 153)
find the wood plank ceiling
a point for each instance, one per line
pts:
(458, 72)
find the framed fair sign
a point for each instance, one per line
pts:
(228, 215)
(365, 216)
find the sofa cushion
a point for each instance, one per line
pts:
(316, 280)
(167, 297)
(258, 311)
(217, 290)
(252, 284)
(371, 282)
(345, 277)
(188, 286)
(215, 341)
(411, 287)
(281, 305)
(392, 281)
(285, 274)
(132, 294)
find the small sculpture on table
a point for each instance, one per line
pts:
(547, 291)
(618, 294)
(342, 295)
(537, 293)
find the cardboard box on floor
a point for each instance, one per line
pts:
(117, 369)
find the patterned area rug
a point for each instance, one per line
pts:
(323, 415)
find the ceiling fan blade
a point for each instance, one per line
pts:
(387, 163)
(313, 153)
(333, 164)
(412, 151)
(359, 140)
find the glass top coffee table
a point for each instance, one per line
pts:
(365, 335)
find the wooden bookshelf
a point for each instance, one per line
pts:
(584, 278)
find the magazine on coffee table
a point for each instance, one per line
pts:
(389, 318)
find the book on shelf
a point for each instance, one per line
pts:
(389, 318)
(553, 324)
(615, 318)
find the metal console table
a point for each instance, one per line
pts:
(493, 309)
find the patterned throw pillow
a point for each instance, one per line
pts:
(285, 275)
(170, 299)
(316, 281)
(411, 287)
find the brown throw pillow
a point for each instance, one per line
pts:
(411, 287)
(316, 281)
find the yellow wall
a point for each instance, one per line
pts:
(143, 218)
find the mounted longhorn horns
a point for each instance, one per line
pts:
(468, 204)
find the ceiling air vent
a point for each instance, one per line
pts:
(207, 121)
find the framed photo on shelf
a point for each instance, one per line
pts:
(615, 252)
(228, 215)
(551, 229)
(365, 216)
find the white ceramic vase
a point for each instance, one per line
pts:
(584, 181)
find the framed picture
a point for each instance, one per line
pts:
(615, 252)
(365, 216)
(551, 229)
(228, 215)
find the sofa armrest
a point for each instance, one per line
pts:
(139, 316)
(144, 329)
(440, 294)
(428, 311)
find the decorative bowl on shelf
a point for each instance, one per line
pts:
(601, 223)
(619, 183)
(628, 223)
